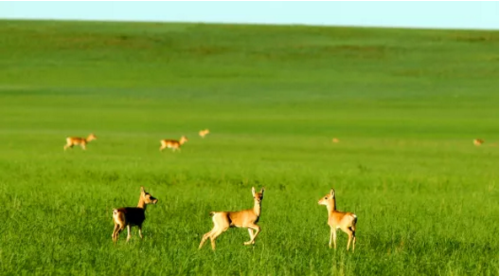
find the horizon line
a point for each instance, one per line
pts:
(247, 23)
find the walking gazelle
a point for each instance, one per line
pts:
(132, 216)
(346, 221)
(245, 219)
(72, 141)
(173, 144)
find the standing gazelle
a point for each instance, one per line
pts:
(173, 144)
(204, 132)
(132, 216)
(346, 221)
(245, 219)
(72, 141)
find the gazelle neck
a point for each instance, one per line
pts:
(256, 208)
(332, 206)
(141, 203)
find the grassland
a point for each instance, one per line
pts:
(405, 104)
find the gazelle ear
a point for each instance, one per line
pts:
(332, 192)
(142, 189)
(262, 191)
(253, 191)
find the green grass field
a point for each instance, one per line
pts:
(405, 105)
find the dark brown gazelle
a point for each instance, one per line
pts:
(132, 216)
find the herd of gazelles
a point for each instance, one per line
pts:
(164, 143)
(176, 144)
(135, 216)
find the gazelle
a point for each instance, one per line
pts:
(204, 132)
(346, 221)
(132, 216)
(173, 144)
(335, 140)
(478, 142)
(245, 219)
(72, 141)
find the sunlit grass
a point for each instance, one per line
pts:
(405, 105)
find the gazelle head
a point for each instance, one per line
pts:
(328, 198)
(335, 140)
(147, 197)
(91, 137)
(258, 196)
(183, 140)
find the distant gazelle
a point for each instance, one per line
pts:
(72, 141)
(346, 221)
(478, 142)
(173, 144)
(335, 140)
(204, 132)
(132, 216)
(245, 219)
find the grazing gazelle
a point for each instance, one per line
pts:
(245, 219)
(132, 216)
(71, 141)
(173, 144)
(204, 132)
(346, 221)
(478, 142)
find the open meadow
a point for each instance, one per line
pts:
(404, 104)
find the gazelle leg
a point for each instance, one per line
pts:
(118, 231)
(128, 232)
(83, 146)
(334, 237)
(257, 231)
(250, 232)
(214, 236)
(353, 240)
(115, 232)
(205, 237)
(331, 238)
(351, 234)
(140, 231)
(349, 240)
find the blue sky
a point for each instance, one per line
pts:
(457, 15)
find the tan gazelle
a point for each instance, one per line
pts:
(132, 216)
(245, 219)
(173, 144)
(346, 221)
(478, 142)
(72, 141)
(204, 132)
